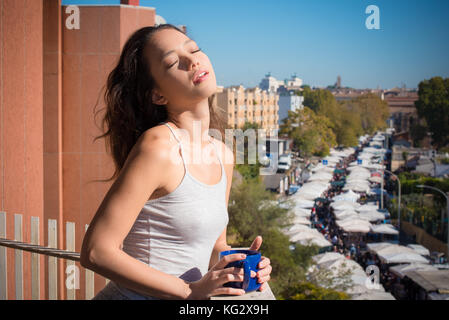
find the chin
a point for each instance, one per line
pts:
(207, 88)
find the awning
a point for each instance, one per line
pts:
(431, 280)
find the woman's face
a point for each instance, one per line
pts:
(174, 61)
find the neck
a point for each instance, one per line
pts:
(192, 121)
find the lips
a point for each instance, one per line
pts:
(199, 76)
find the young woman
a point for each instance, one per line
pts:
(160, 227)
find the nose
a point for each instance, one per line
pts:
(191, 62)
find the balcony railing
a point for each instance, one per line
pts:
(52, 254)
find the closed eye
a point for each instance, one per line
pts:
(178, 60)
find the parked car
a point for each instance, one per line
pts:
(284, 163)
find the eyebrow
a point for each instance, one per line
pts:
(171, 51)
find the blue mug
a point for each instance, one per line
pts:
(249, 264)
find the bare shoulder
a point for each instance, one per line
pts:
(156, 141)
(151, 154)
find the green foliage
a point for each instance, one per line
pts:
(371, 110)
(249, 171)
(433, 106)
(311, 133)
(322, 102)
(422, 211)
(418, 132)
(254, 211)
(422, 207)
(309, 291)
(249, 215)
(409, 182)
(325, 123)
(348, 126)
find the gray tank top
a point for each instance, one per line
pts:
(176, 233)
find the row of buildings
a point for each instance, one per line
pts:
(266, 105)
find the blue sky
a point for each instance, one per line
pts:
(316, 39)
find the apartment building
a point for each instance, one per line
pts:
(250, 105)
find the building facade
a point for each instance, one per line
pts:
(289, 102)
(250, 105)
(51, 78)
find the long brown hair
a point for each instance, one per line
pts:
(128, 104)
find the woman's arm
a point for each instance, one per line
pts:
(101, 249)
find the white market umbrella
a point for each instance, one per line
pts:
(302, 203)
(394, 249)
(301, 220)
(302, 212)
(375, 295)
(354, 225)
(320, 242)
(304, 236)
(371, 216)
(327, 256)
(384, 229)
(401, 269)
(347, 214)
(321, 176)
(419, 249)
(403, 258)
(298, 229)
(367, 207)
(344, 205)
(349, 196)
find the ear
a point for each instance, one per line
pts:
(156, 98)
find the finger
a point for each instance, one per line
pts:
(264, 272)
(228, 259)
(230, 277)
(264, 279)
(264, 261)
(229, 291)
(233, 270)
(256, 243)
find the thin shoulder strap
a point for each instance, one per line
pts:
(179, 143)
(216, 151)
(172, 131)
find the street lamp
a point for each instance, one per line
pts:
(447, 210)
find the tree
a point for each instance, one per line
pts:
(373, 112)
(348, 126)
(433, 106)
(310, 291)
(345, 118)
(322, 102)
(252, 211)
(312, 134)
(249, 170)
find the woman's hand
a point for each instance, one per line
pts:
(211, 284)
(263, 274)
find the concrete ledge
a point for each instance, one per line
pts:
(267, 294)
